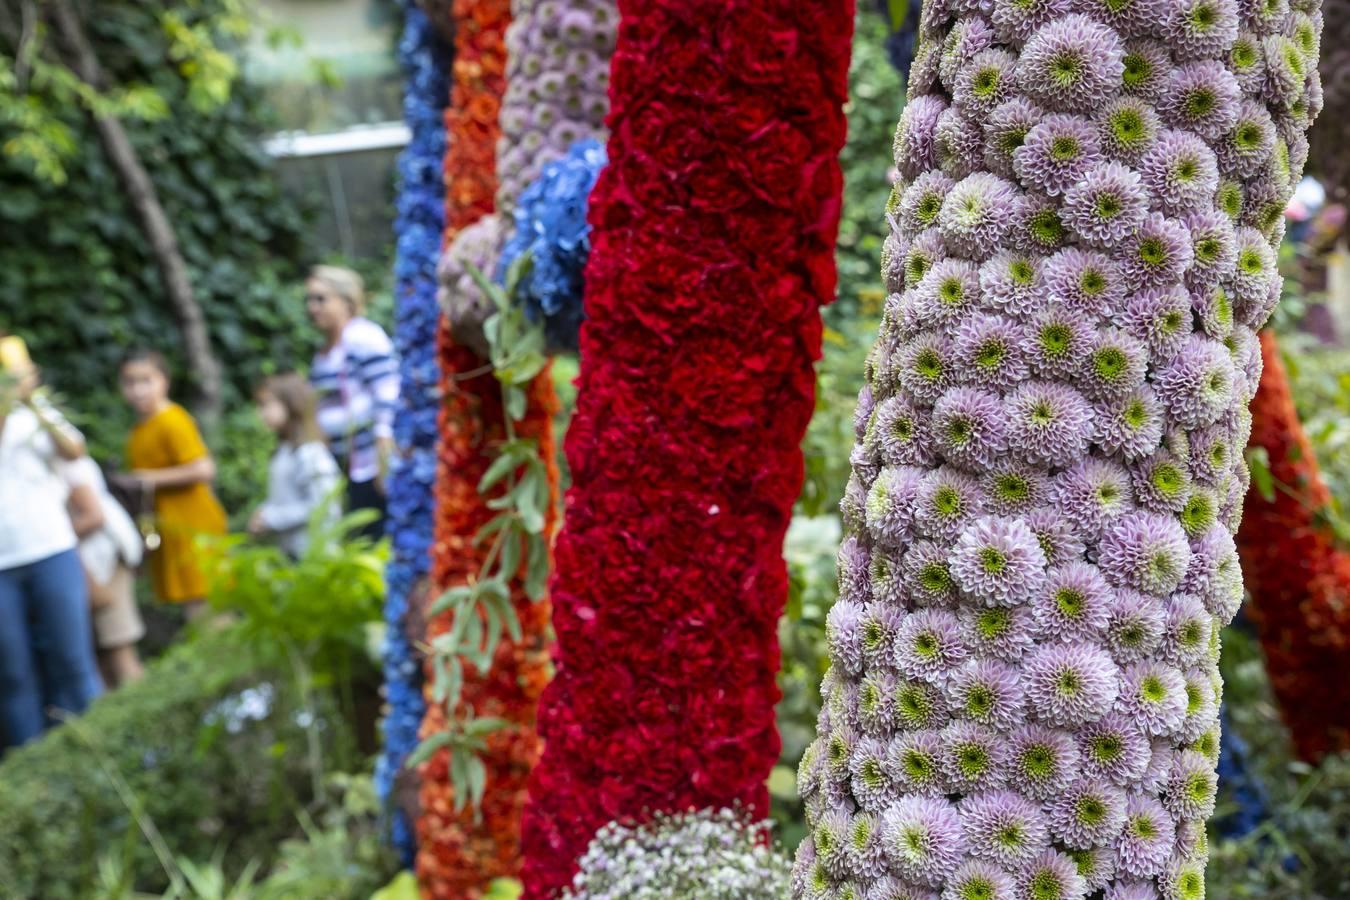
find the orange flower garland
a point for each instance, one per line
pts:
(459, 855)
(1298, 578)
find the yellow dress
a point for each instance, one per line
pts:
(170, 438)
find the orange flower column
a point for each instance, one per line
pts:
(458, 856)
(1298, 578)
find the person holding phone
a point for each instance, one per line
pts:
(47, 661)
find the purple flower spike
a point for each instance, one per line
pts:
(1088, 813)
(1071, 63)
(1073, 604)
(1145, 551)
(998, 562)
(1052, 874)
(969, 427)
(923, 839)
(1004, 827)
(1070, 684)
(1146, 842)
(1048, 423)
(1106, 205)
(976, 878)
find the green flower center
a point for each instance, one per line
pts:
(929, 207)
(976, 888)
(1191, 634)
(1069, 602)
(1109, 363)
(918, 766)
(1092, 282)
(873, 635)
(1153, 251)
(991, 353)
(862, 833)
(903, 429)
(1054, 339)
(917, 267)
(1138, 69)
(1064, 148)
(951, 291)
(1187, 168)
(1038, 762)
(1243, 55)
(1042, 413)
(1131, 634)
(1152, 690)
(992, 560)
(1046, 227)
(1021, 271)
(1247, 136)
(947, 501)
(1107, 748)
(935, 578)
(927, 645)
(1198, 103)
(1198, 514)
(979, 701)
(1135, 415)
(993, 623)
(1167, 479)
(1203, 16)
(1012, 487)
(1127, 126)
(873, 775)
(1194, 698)
(1045, 885)
(1207, 249)
(1230, 199)
(1108, 206)
(1010, 837)
(1090, 811)
(972, 760)
(1066, 69)
(1068, 683)
(1013, 138)
(986, 82)
(928, 364)
(1171, 321)
(1161, 567)
(1142, 826)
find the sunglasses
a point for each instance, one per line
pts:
(316, 298)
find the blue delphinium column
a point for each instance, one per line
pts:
(421, 217)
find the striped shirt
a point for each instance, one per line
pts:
(357, 384)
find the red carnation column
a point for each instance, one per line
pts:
(713, 252)
(1298, 578)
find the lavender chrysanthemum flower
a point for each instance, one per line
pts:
(1115, 367)
(926, 367)
(1004, 827)
(978, 879)
(1039, 225)
(1106, 205)
(1214, 311)
(1246, 147)
(1052, 876)
(1056, 343)
(1196, 386)
(1153, 695)
(1181, 172)
(1130, 18)
(1213, 575)
(889, 889)
(974, 758)
(1252, 278)
(1230, 198)
(1013, 487)
(1084, 280)
(1147, 67)
(914, 763)
(968, 427)
(1191, 788)
(948, 500)
(1069, 684)
(1187, 632)
(922, 200)
(854, 562)
(1213, 250)
(1158, 254)
(1286, 70)
(1246, 60)
(1047, 423)
(1134, 628)
(874, 707)
(1127, 128)
(918, 705)
(925, 251)
(830, 839)
(1131, 890)
(1195, 29)
(1016, 20)
(965, 39)
(989, 351)
(1093, 493)
(950, 289)
(1056, 153)
(900, 429)
(998, 632)
(1055, 533)
(1202, 97)
(1131, 426)
(923, 839)
(853, 503)
(1145, 551)
(1159, 767)
(959, 143)
(977, 214)
(1145, 844)
(1041, 761)
(997, 562)
(1159, 317)
(926, 575)
(984, 82)
(843, 634)
(1005, 130)
(866, 851)
(890, 506)
(871, 783)
(1088, 813)
(1212, 454)
(1011, 284)
(1097, 866)
(928, 646)
(986, 692)
(1162, 482)
(1071, 63)
(1114, 748)
(879, 624)
(915, 149)
(1183, 879)
(1072, 604)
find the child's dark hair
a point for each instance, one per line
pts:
(298, 399)
(145, 355)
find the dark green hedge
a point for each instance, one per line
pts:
(209, 744)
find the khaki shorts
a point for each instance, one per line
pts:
(117, 621)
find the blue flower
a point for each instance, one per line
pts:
(551, 229)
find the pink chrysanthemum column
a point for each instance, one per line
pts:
(1023, 701)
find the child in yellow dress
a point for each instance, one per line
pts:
(166, 455)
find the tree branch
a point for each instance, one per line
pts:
(158, 231)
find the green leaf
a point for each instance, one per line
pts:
(537, 567)
(1258, 461)
(452, 597)
(510, 556)
(425, 750)
(514, 401)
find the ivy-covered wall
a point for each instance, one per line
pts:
(76, 276)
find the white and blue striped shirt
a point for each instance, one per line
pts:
(357, 384)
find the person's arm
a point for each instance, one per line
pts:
(68, 442)
(201, 470)
(86, 512)
(316, 475)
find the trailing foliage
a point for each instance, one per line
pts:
(76, 276)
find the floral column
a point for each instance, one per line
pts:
(460, 853)
(1298, 577)
(421, 219)
(1039, 527)
(714, 228)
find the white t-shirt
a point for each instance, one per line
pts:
(33, 520)
(118, 541)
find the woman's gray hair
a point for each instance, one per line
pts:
(345, 283)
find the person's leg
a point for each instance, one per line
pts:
(61, 631)
(120, 665)
(21, 717)
(365, 495)
(118, 626)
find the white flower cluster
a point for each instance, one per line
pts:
(704, 855)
